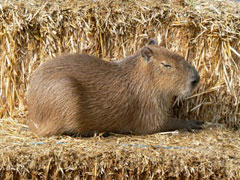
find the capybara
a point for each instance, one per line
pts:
(78, 94)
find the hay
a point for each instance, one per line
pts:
(210, 154)
(205, 32)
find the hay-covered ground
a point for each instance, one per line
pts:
(213, 153)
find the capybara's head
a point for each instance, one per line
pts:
(171, 73)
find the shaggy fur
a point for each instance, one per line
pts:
(81, 95)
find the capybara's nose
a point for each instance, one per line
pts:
(195, 80)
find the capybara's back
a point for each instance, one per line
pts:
(79, 94)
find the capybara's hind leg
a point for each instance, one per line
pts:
(58, 107)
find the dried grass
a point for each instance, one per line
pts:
(205, 32)
(210, 154)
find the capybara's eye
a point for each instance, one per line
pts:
(166, 65)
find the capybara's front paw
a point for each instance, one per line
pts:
(194, 124)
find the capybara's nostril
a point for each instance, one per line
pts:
(195, 81)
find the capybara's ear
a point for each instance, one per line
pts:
(146, 53)
(152, 42)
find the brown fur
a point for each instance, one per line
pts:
(80, 94)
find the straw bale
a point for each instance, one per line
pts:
(209, 154)
(205, 32)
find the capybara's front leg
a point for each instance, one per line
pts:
(179, 124)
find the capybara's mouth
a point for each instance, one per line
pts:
(187, 92)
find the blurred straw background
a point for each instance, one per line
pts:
(205, 32)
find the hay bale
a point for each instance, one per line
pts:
(205, 32)
(209, 154)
